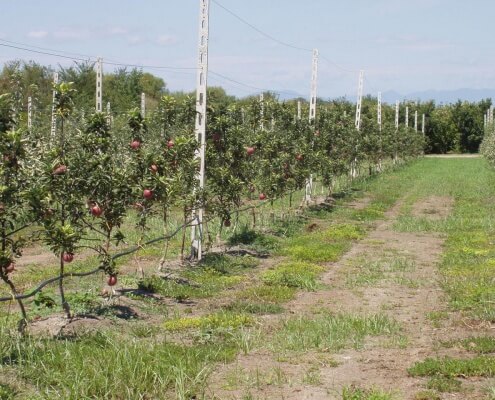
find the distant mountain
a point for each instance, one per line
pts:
(441, 96)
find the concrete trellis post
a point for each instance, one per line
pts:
(109, 115)
(143, 104)
(299, 109)
(200, 124)
(312, 114)
(30, 114)
(53, 129)
(396, 156)
(99, 85)
(379, 111)
(423, 120)
(415, 121)
(354, 171)
(262, 110)
(359, 100)
(407, 117)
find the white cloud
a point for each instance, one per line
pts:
(135, 39)
(166, 40)
(72, 33)
(117, 30)
(37, 34)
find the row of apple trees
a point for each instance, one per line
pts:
(72, 190)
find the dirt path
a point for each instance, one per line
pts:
(388, 272)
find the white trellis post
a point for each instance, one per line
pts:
(143, 104)
(99, 85)
(397, 105)
(379, 121)
(262, 110)
(109, 115)
(53, 129)
(312, 114)
(423, 120)
(379, 111)
(415, 121)
(484, 121)
(407, 117)
(200, 124)
(30, 113)
(299, 109)
(359, 100)
(354, 171)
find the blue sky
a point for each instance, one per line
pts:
(404, 46)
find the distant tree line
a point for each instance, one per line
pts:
(456, 127)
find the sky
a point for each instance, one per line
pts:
(403, 46)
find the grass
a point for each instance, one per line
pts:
(452, 367)
(219, 320)
(356, 393)
(444, 384)
(268, 293)
(331, 332)
(250, 307)
(478, 344)
(104, 365)
(296, 274)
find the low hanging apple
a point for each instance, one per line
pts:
(299, 157)
(262, 196)
(68, 257)
(112, 280)
(135, 144)
(147, 194)
(226, 223)
(60, 169)
(96, 210)
(154, 168)
(10, 268)
(170, 144)
(250, 151)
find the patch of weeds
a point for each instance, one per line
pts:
(268, 293)
(402, 264)
(427, 395)
(407, 282)
(451, 367)
(200, 283)
(248, 307)
(83, 303)
(370, 213)
(436, 317)
(409, 223)
(226, 264)
(366, 274)
(220, 320)
(356, 393)
(331, 331)
(257, 241)
(6, 392)
(140, 330)
(312, 376)
(106, 363)
(300, 275)
(480, 344)
(344, 232)
(444, 384)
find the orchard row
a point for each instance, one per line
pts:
(82, 181)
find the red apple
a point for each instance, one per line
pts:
(68, 257)
(112, 280)
(170, 144)
(135, 144)
(96, 210)
(10, 268)
(60, 170)
(147, 194)
(154, 168)
(299, 157)
(226, 223)
(250, 151)
(317, 133)
(216, 137)
(262, 196)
